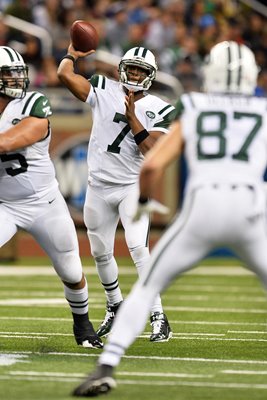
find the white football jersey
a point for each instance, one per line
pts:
(113, 155)
(27, 173)
(225, 137)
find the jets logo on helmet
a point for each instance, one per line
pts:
(142, 58)
(230, 68)
(14, 79)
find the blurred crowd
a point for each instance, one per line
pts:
(179, 32)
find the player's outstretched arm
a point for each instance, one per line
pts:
(167, 149)
(76, 83)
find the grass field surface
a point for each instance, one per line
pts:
(218, 351)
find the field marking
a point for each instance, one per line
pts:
(216, 385)
(10, 359)
(36, 333)
(46, 270)
(209, 339)
(190, 297)
(176, 286)
(24, 337)
(55, 302)
(214, 288)
(161, 358)
(146, 335)
(32, 336)
(98, 296)
(194, 322)
(249, 332)
(216, 309)
(165, 383)
(243, 372)
(124, 373)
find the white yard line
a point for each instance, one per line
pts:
(178, 359)
(193, 322)
(243, 372)
(23, 337)
(217, 310)
(124, 373)
(164, 383)
(191, 336)
(210, 338)
(55, 302)
(249, 332)
(49, 270)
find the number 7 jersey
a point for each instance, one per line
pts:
(225, 137)
(113, 155)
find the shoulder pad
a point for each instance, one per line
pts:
(98, 81)
(37, 105)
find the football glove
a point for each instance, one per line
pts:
(149, 207)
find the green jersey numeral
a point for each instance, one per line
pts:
(203, 132)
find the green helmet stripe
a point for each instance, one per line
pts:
(10, 54)
(13, 54)
(141, 50)
(144, 52)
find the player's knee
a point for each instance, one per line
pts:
(139, 253)
(66, 239)
(102, 260)
(98, 246)
(69, 268)
(76, 285)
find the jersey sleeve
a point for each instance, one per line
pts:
(179, 109)
(166, 116)
(98, 82)
(37, 105)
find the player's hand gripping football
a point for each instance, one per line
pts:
(148, 207)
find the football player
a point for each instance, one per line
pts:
(127, 122)
(29, 195)
(224, 135)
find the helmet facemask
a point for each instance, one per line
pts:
(14, 81)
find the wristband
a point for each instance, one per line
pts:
(69, 57)
(141, 136)
(143, 200)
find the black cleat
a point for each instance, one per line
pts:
(87, 337)
(99, 382)
(161, 330)
(105, 327)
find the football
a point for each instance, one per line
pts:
(84, 36)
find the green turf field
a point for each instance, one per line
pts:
(218, 351)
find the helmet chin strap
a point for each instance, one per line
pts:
(133, 87)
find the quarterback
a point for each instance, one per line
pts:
(127, 121)
(223, 132)
(29, 195)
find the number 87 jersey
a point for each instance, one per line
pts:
(225, 137)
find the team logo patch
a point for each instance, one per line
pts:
(150, 114)
(15, 121)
